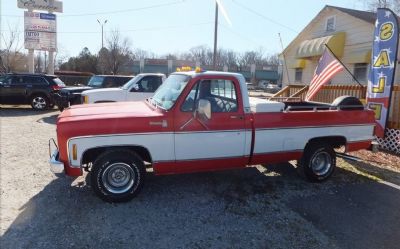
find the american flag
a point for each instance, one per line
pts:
(327, 67)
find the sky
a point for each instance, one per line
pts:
(174, 26)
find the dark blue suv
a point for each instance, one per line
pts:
(35, 89)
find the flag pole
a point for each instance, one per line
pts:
(352, 75)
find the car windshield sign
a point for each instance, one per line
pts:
(170, 90)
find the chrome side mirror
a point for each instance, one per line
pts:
(204, 108)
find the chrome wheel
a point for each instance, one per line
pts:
(118, 178)
(39, 102)
(321, 163)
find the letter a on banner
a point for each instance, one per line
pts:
(383, 67)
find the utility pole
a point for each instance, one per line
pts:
(102, 32)
(284, 60)
(215, 37)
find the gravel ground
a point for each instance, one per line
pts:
(266, 206)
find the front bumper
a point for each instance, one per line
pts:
(56, 166)
(61, 101)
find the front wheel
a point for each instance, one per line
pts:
(117, 175)
(318, 162)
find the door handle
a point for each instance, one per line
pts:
(237, 117)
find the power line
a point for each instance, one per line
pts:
(239, 35)
(264, 17)
(131, 30)
(114, 11)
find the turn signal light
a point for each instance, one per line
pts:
(85, 99)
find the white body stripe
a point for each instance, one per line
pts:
(218, 144)
(200, 145)
(160, 145)
(280, 140)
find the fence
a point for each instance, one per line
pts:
(328, 93)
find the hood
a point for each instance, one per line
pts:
(107, 90)
(105, 110)
(110, 118)
(75, 89)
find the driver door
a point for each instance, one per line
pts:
(213, 143)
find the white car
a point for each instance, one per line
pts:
(141, 87)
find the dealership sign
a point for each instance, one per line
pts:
(47, 5)
(40, 31)
(383, 67)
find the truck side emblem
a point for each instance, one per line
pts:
(163, 123)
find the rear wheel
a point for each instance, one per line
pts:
(117, 175)
(318, 161)
(39, 102)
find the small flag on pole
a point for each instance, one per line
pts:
(327, 67)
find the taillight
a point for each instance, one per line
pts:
(55, 87)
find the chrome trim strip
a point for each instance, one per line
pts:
(201, 159)
(316, 127)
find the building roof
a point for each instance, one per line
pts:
(363, 15)
(366, 16)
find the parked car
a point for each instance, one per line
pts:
(141, 87)
(272, 88)
(72, 95)
(250, 86)
(38, 90)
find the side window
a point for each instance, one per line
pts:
(360, 72)
(108, 82)
(5, 80)
(220, 93)
(121, 81)
(36, 81)
(330, 24)
(153, 84)
(298, 75)
(191, 99)
(17, 80)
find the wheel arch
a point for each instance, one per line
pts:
(90, 154)
(334, 141)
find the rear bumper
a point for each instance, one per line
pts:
(56, 166)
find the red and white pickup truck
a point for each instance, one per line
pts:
(203, 121)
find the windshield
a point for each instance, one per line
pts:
(128, 84)
(96, 81)
(169, 91)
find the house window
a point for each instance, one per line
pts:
(360, 72)
(330, 23)
(298, 75)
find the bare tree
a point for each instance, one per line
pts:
(116, 54)
(11, 57)
(143, 54)
(372, 5)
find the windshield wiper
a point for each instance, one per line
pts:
(156, 103)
